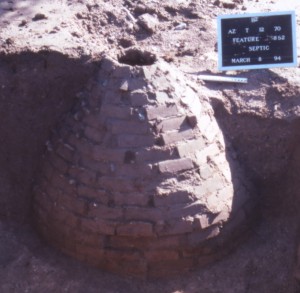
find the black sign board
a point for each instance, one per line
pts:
(260, 40)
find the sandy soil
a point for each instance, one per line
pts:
(263, 264)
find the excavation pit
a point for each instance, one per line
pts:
(108, 194)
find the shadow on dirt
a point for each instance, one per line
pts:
(36, 89)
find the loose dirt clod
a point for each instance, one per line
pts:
(134, 56)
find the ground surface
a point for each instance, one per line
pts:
(265, 262)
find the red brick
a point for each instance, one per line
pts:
(93, 194)
(122, 71)
(58, 163)
(48, 171)
(204, 122)
(214, 204)
(155, 154)
(129, 127)
(173, 166)
(128, 242)
(223, 216)
(131, 140)
(112, 97)
(71, 220)
(90, 252)
(136, 84)
(171, 124)
(170, 198)
(185, 210)
(162, 111)
(116, 184)
(212, 130)
(137, 199)
(168, 242)
(94, 134)
(121, 255)
(118, 112)
(215, 183)
(63, 183)
(100, 154)
(201, 222)
(95, 95)
(104, 212)
(82, 175)
(124, 86)
(134, 170)
(94, 120)
(147, 214)
(201, 191)
(175, 227)
(100, 168)
(173, 137)
(206, 171)
(100, 226)
(65, 151)
(209, 151)
(89, 239)
(82, 145)
(161, 255)
(138, 98)
(135, 229)
(63, 217)
(189, 148)
(220, 159)
(73, 203)
(162, 97)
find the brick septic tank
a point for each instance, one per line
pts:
(138, 179)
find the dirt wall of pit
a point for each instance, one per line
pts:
(35, 90)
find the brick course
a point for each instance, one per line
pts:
(173, 166)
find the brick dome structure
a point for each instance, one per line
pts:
(138, 179)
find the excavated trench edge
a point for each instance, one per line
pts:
(75, 74)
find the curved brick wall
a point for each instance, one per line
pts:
(137, 180)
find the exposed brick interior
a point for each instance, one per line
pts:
(138, 179)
